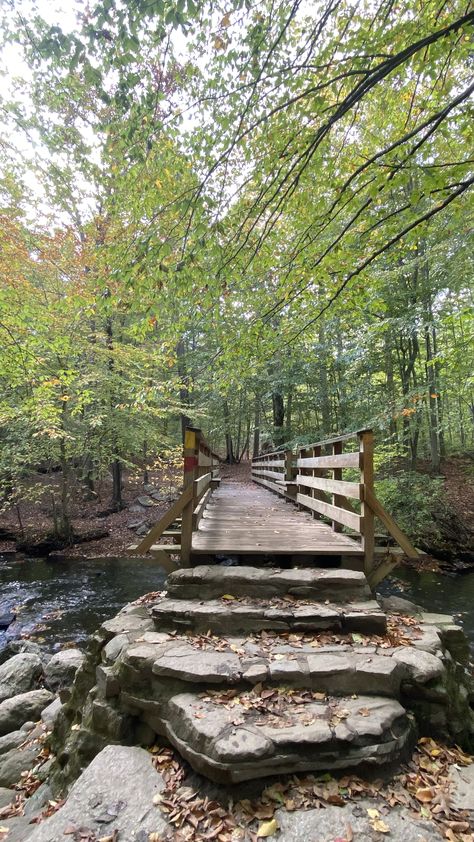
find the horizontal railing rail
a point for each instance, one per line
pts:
(274, 471)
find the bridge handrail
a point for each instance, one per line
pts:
(302, 476)
(345, 437)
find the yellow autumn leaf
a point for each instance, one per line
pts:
(373, 813)
(267, 829)
(380, 826)
(228, 596)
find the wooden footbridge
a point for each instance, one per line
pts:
(312, 507)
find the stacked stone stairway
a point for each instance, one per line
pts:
(252, 689)
(253, 672)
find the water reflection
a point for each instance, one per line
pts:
(437, 593)
(61, 601)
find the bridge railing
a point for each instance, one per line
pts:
(201, 469)
(313, 477)
(320, 485)
(274, 471)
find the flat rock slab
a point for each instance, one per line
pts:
(462, 781)
(233, 616)
(329, 671)
(114, 793)
(231, 741)
(211, 582)
(333, 822)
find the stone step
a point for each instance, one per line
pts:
(211, 582)
(231, 740)
(249, 614)
(326, 670)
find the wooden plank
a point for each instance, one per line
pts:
(355, 434)
(167, 519)
(271, 485)
(172, 549)
(348, 489)
(201, 484)
(273, 463)
(271, 474)
(390, 524)
(343, 460)
(341, 515)
(199, 510)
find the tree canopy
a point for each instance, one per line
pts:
(253, 216)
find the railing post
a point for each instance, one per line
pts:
(191, 462)
(337, 500)
(289, 470)
(366, 450)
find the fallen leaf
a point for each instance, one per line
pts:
(373, 813)
(228, 597)
(424, 794)
(380, 826)
(267, 829)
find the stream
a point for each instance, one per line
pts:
(63, 602)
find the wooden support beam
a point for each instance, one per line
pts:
(388, 521)
(168, 518)
(165, 562)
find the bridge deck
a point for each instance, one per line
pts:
(246, 519)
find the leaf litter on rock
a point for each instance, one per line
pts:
(198, 819)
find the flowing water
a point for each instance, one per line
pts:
(58, 602)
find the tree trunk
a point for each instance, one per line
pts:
(256, 428)
(229, 447)
(278, 418)
(184, 395)
(116, 469)
(326, 420)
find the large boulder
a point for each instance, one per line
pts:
(16, 761)
(6, 796)
(62, 668)
(12, 740)
(19, 674)
(115, 793)
(16, 711)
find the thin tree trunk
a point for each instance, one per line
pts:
(184, 395)
(256, 428)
